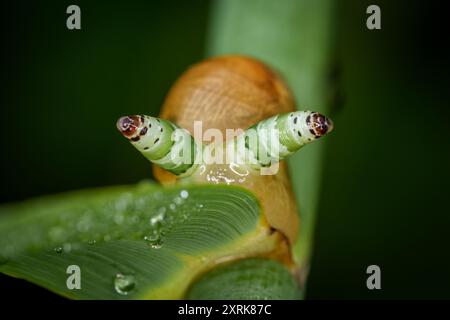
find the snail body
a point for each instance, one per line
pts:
(224, 93)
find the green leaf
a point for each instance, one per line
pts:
(136, 242)
(250, 279)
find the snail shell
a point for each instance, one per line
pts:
(232, 92)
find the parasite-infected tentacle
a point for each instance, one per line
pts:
(161, 142)
(278, 137)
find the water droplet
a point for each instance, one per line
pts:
(124, 284)
(154, 241)
(184, 194)
(178, 201)
(58, 249)
(172, 206)
(159, 218)
(92, 242)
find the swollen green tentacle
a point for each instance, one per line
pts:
(161, 142)
(261, 145)
(278, 137)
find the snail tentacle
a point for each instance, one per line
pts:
(267, 142)
(161, 142)
(280, 136)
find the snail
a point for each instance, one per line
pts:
(225, 93)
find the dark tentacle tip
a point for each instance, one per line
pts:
(128, 125)
(320, 125)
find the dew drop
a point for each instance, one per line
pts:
(159, 218)
(92, 242)
(58, 249)
(184, 194)
(154, 241)
(156, 246)
(124, 284)
(178, 201)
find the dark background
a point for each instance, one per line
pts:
(384, 198)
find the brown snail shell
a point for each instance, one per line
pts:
(232, 92)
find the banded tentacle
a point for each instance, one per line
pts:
(261, 145)
(161, 142)
(278, 137)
